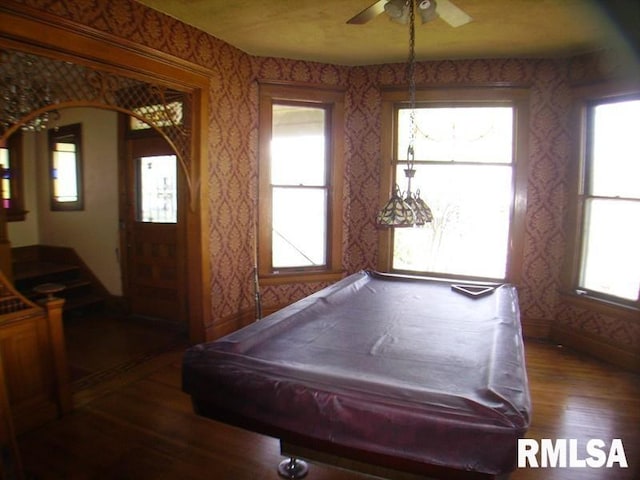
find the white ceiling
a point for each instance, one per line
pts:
(316, 30)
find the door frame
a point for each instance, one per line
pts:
(34, 31)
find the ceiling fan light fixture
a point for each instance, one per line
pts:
(397, 10)
(427, 10)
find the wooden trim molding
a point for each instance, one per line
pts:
(597, 346)
(536, 328)
(34, 31)
(39, 32)
(231, 323)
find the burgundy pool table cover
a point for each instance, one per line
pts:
(390, 365)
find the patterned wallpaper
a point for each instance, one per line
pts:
(233, 140)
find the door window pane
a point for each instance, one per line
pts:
(158, 189)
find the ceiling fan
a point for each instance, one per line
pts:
(398, 10)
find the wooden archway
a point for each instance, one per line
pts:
(35, 32)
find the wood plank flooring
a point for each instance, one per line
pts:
(101, 344)
(140, 425)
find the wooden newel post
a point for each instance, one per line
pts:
(56, 334)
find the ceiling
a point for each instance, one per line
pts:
(316, 30)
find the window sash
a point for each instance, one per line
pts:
(469, 234)
(64, 173)
(298, 144)
(299, 227)
(65, 168)
(610, 254)
(613, 168)
(458, 133)
(298, 161)
(609, 259)
(459, 187)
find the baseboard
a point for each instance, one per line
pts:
(536, 328)
(235, 322)
(229, 324)
(597, 347)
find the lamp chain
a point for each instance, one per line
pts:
(411, 68)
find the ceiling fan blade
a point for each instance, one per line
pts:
(451, 14)
(368, 13)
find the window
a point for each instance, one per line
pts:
(65, 153)
(300, 199)
(11, 181)
(469, 163)
(609, 263)
(157, 189)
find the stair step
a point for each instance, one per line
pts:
(34, 266)
(34, 270)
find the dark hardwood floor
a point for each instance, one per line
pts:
(102, 344)
(138, 424)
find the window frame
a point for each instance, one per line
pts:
(69, 134)
(16, 211)
(585, 97)
(516, 97)
(332, 100)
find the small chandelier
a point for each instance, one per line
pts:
(410, 211)
(25, 90)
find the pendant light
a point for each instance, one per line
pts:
(411, 210)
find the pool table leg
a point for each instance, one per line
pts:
(293, 468)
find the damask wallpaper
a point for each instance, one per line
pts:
(233, 143)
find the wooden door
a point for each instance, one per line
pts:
(153, 260)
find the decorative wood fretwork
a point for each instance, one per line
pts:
(33, 88)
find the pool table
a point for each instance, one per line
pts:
(401, 373)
